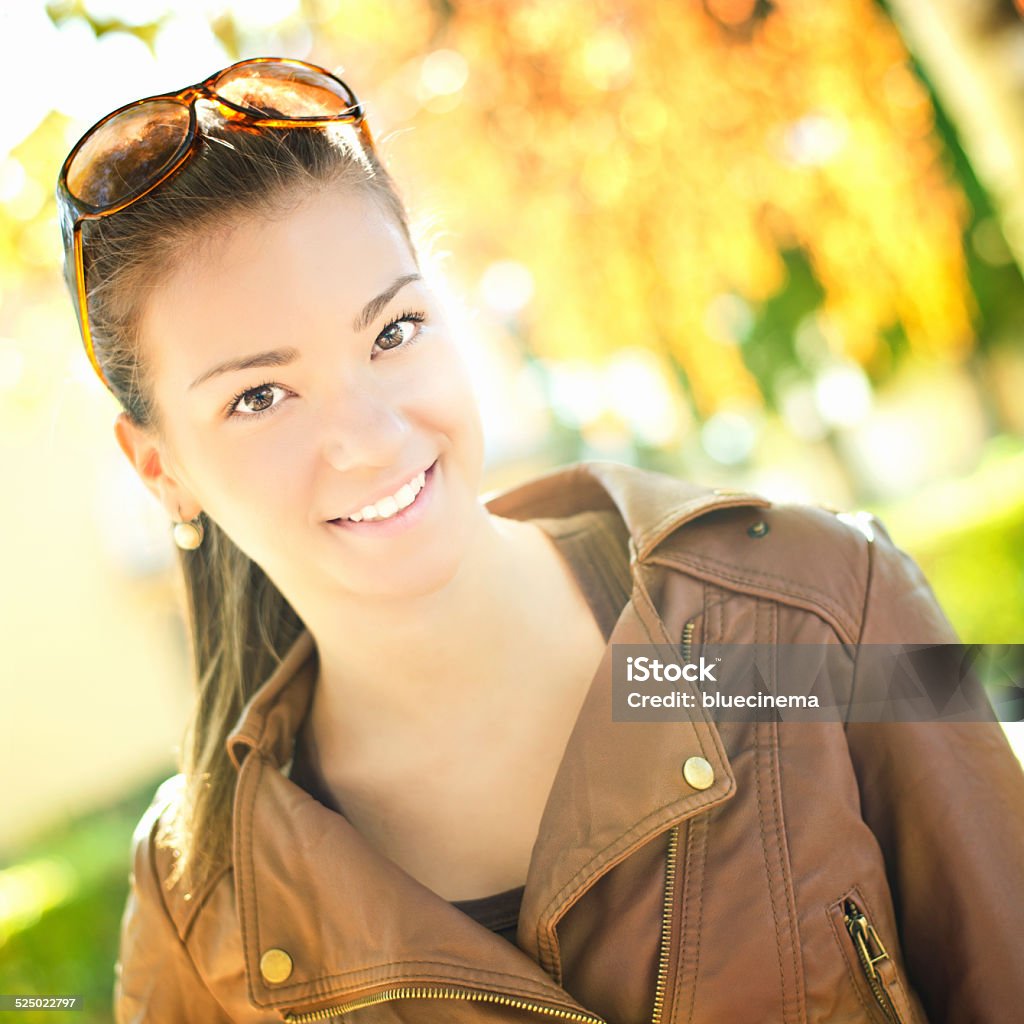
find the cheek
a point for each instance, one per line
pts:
(459, 418)
(448, 386)
(248, 483)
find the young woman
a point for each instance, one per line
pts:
(404, 795)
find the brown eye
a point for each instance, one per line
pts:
(262, 398)
(393, 336)
(257, 400)
(400, 332)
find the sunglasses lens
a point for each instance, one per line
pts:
(130, 151)
(289, 91)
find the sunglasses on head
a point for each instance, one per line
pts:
(126, 154)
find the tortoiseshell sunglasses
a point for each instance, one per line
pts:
(126, 154)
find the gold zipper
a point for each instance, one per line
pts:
(688, 639)
(440, 992)
(670, 875)
(666, 926)
(870, 951)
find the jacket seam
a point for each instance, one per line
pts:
(722, 571)
(869, 580)
(774, 761)
(697, 855)
(799, 996)
(865, 601)
(772, 881)
(733, 588)
(243, 896)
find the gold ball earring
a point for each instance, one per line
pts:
(188, 535)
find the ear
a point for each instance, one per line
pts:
(147, 454)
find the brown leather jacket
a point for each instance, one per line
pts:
(647, 898)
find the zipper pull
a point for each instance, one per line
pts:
(864, 935)
(879, 967)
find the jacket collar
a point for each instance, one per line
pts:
(618, 785)
(651, 504)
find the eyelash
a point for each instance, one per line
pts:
(406, 316)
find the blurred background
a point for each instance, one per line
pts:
(759, 243)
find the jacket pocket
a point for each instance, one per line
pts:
(874, 971)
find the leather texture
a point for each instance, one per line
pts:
(920, 824)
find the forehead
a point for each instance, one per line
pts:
(265, 282)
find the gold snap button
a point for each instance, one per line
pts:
(698, 772)
(758, 529)
(275, 966)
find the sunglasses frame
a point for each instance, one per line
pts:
(241, 117)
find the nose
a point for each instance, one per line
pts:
(363, 427)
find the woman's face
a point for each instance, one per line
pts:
(302, 370)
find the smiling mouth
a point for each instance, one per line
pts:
(392, 507)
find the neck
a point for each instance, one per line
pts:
(397, 666)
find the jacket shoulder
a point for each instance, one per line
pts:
(155, 857)
(155, 977)
(162, 807)
(806, 555)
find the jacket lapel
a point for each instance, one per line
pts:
(619, 784)
(352, 921)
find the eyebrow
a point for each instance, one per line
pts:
(274, 357)
(372, 309)
(284, 356)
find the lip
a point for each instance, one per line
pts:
(401, 520)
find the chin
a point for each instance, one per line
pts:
(428, 572)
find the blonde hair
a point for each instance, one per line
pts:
(240, 624)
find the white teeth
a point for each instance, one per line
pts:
(387, 507)
(405, 497)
